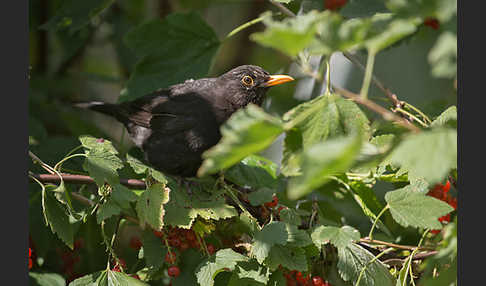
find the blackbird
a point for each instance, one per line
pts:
(174, 126)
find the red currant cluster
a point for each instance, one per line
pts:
(30, 258)
(441, 192)
(296, 278)
(180, 239)
(432, 22)
(334, 4)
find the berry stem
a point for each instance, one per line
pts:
(370, 235)
(368, 74)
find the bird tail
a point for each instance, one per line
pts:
(110, 109)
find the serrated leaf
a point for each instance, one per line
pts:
(89, 279)
(429, 155)
(182, 210)
(353, 258)
(121, 279)
(409, 207)
(449, 116)
(159, 42)
(102, 165)
(288, 257)
(247, 131)
(46, 279)
(290, 35)
(443, 56)
(90, 142)
(150, 205)
(388, 31)
(340, 237)
(271, 234)
(261, 196)
(252, 270)
(74, 15)
(315, 121)
(154, 249)
(107, 210)
(322, 160)
(254, 171)
(297, 237)
(224, 258)
(58, 219)
(290, 216)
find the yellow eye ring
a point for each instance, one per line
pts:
(247, 80)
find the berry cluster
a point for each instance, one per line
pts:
(296, 278)
(441, 192)
(334, 4)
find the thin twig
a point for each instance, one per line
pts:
(398, 246)
(282, 8)
(375, 80)
(385, 113)
(82, 179)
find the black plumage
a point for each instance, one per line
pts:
(174, 126)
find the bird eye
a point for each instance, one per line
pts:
(247, 80)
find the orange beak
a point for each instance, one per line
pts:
(277, 79)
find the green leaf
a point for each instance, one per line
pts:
(58, 219)
(334, 33)
(315, 121)
(74, 15)
(340, 237)
(224, 259)
(261, 196)
(448, 117)
(182, 210)
(159, 42)
(284, 1)
(429, 155)
(107, 278)
(154, 250)
(322, 160)
(254, 171)
(297, 237)
(288, 257)
(251, 271)
(107, 210)
(290, 216)
(122, 196)
(443, 56)
(409, 207)
(150, 205)
(290, 35)
(101, 164)
(90, 142)
(443, 10)
(46, 279)
(388, 31)
(247, 131)
(271, 234)
(353, 258)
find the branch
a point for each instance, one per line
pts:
(282, 8)
(385, 113)
(82, 179)
(398, 246)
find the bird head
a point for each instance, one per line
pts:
(248, 84)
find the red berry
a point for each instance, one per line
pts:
(174, 271)
(135, 243)
(184, 246)
(79, 243)
(273, 203)
(194, 244)
(334, 4)
(30, 252)
(432, 22)
(174, 242)
(170, 257)
(317, 281)
(30, 263)
(158, 233)
(190, 235)
(211, 249)
(100, 140)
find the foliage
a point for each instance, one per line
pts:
(352, 194)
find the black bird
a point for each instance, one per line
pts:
(174, 126)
